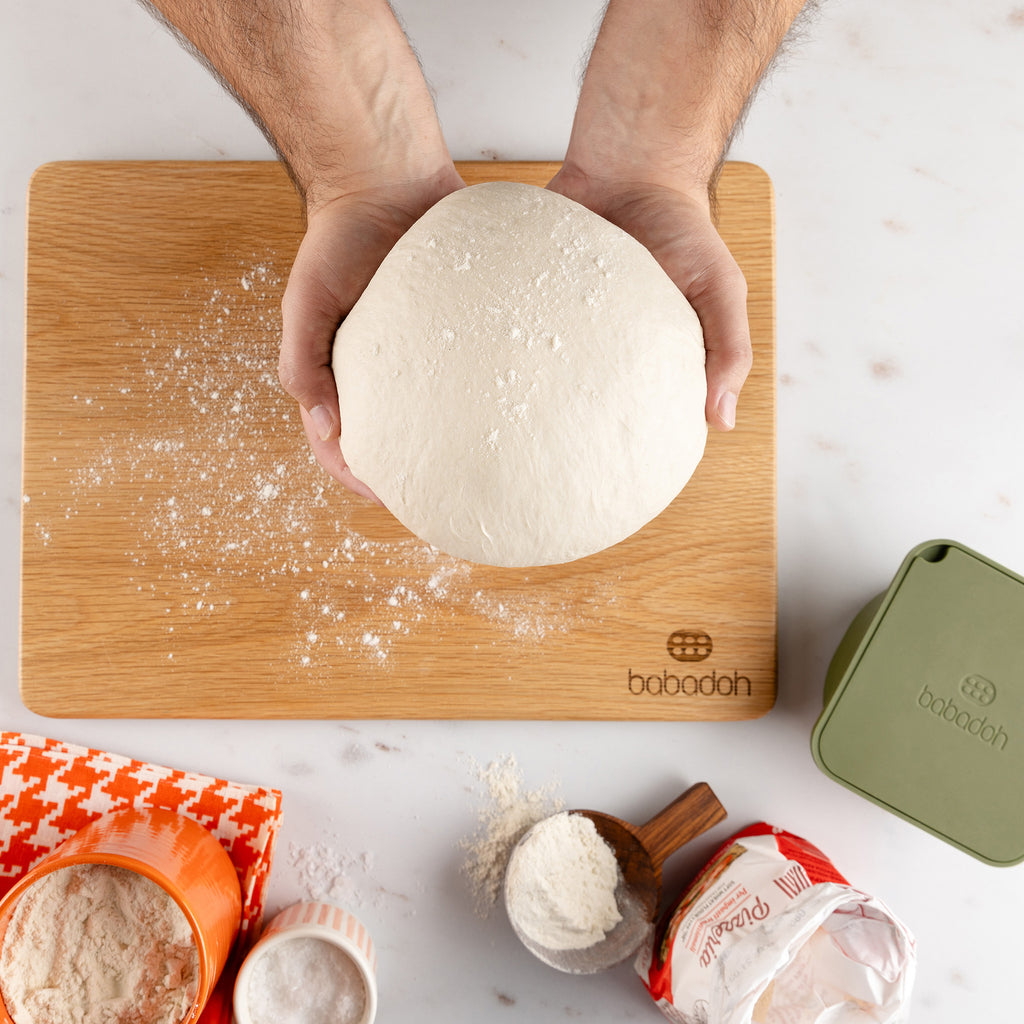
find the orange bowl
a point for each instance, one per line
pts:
(176, 853)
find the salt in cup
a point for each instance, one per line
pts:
(314, 962)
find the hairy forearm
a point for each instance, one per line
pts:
(668, 81)
(334, 84)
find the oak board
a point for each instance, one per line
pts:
(183, 556)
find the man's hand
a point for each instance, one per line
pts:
(666, 85)
(338, 91)
(345, 242)
(678, 231)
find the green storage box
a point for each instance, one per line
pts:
(924, 702)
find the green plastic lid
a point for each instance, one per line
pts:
(924, 702)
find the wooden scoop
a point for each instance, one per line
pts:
(640, 852)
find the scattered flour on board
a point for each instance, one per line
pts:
(509, 811)
(221, 486)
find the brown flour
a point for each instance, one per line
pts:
(93, 944)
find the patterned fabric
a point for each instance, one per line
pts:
(50, 789)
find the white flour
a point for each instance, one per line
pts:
(93, 944)
(561, 882)
(510, 812)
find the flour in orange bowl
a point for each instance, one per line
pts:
(96, 944)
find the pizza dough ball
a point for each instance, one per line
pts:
(521, 383)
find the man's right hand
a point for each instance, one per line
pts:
(346, 240)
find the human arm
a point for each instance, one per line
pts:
(338, 91)
(666, 85)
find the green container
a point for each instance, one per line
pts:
(924, 702)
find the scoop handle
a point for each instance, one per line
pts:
(684, 819)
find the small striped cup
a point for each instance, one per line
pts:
(310, 919)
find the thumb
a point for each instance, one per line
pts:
(310, 317)
(720, 300)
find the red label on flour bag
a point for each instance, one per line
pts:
(771, 933)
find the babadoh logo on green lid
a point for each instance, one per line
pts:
(978, 689)
(959, 716)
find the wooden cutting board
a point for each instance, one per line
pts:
(183, 556)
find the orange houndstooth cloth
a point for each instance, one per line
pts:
(50, 789)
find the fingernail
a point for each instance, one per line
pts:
(727, 410)
(323, 422)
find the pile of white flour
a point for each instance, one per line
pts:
(561, 882)
(94, 944)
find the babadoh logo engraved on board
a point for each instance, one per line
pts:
(688, 646)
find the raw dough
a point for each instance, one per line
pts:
(521, 383)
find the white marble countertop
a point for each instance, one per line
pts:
(894, 135)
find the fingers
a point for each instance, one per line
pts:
(310, 317)
(345, 242)
(719, 296)
(329, 455)
(699, 262)
(677, 229)
(311, 312)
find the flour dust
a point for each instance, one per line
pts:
(508, 812)
(202, 454)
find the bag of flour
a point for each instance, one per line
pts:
(771, 933)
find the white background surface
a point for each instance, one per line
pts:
(894, 135)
